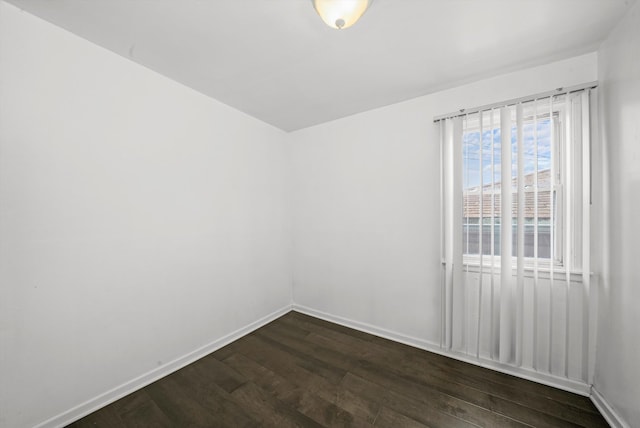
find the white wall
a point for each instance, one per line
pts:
(139, 220)
(366, 210)
(618, 353)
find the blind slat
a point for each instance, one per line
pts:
(520, 225)
(480, 234)
(551, 233)
(505, 236)
(568, 258)
(586, 230)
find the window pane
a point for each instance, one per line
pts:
(483, 174)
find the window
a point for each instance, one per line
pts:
(515, 197)
(551, 177)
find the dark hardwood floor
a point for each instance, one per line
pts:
(302, 371)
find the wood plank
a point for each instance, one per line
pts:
(318, 359)
(317, 408)
(201, 385)
(454, 367)
(179, 407)
(416, 408)
(434, 366)
(390, 419)
(303, 371)
(452, 401)
(268, 410)
(223, 375)
(464, 369)
(489, 407)
(451, 405)
(287, 366)
(105, 417)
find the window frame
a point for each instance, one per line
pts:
(558, 185)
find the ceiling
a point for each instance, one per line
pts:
(277, 61)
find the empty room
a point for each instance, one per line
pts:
(319, 213)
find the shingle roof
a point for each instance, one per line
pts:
(472, 198)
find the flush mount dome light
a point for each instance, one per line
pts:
(340, 14)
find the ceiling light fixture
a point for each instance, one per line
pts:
(340, 14)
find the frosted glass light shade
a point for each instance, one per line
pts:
(340, 14)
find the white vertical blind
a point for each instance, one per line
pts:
(448, 218)
(536, 241)
(452, 149)
(569, 157)
(505, 236)
(457, 291)
(586, 234)
(516, 199)
(443, 272)
(481, 240)
(552, 229)
(520, 225)
(493, 237)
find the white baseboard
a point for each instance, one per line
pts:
(612, 417)
(367, 328)
(126, 388)
(570, 385)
